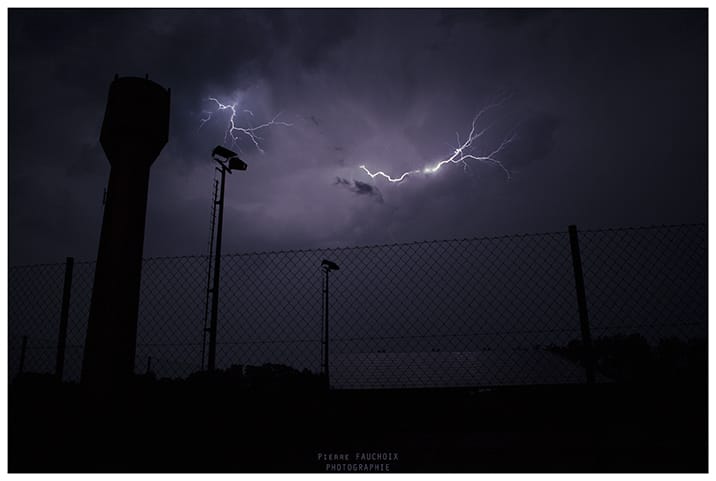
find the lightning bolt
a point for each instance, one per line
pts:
(461, 154)
(234, 131)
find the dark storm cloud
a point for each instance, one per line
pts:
(533, 141)
(365, 189)
(494, 18)
(599, 102)
(360, 188)
(89, 161)
(316, 33)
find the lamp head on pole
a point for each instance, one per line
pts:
(228, 159)
(329, 266)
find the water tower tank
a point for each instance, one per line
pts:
(136, 121)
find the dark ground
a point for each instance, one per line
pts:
(217, 425)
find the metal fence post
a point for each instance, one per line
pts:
(588, 355)
(64, 314)
(325, 333)
(23, 348)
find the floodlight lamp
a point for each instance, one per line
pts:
(222, 154)
(236, 163)
(328, 265)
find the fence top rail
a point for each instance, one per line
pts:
(49, 264)
(44, 264)
(384, 246)
(397, 244)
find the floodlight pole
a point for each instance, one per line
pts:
(217, 272)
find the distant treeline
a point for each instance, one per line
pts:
(631, 359)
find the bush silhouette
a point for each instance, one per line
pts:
(631, 359)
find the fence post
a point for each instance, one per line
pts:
(588, 355)
(23, 348)
(64, 315)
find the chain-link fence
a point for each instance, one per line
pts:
(471, 312)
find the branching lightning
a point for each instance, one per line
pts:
(461, 155)
(234, 131)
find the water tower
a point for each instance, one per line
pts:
(134, 131)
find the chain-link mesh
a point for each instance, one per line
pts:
(455, 313)
(648, 280)
(646, 291)
(34, 305)
(171, 315)
(82, 282)
(470, 312)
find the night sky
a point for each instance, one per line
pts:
(606, 112)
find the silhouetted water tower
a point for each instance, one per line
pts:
(134, 131)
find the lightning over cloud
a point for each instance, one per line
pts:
(461, 154)
(234, 131)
